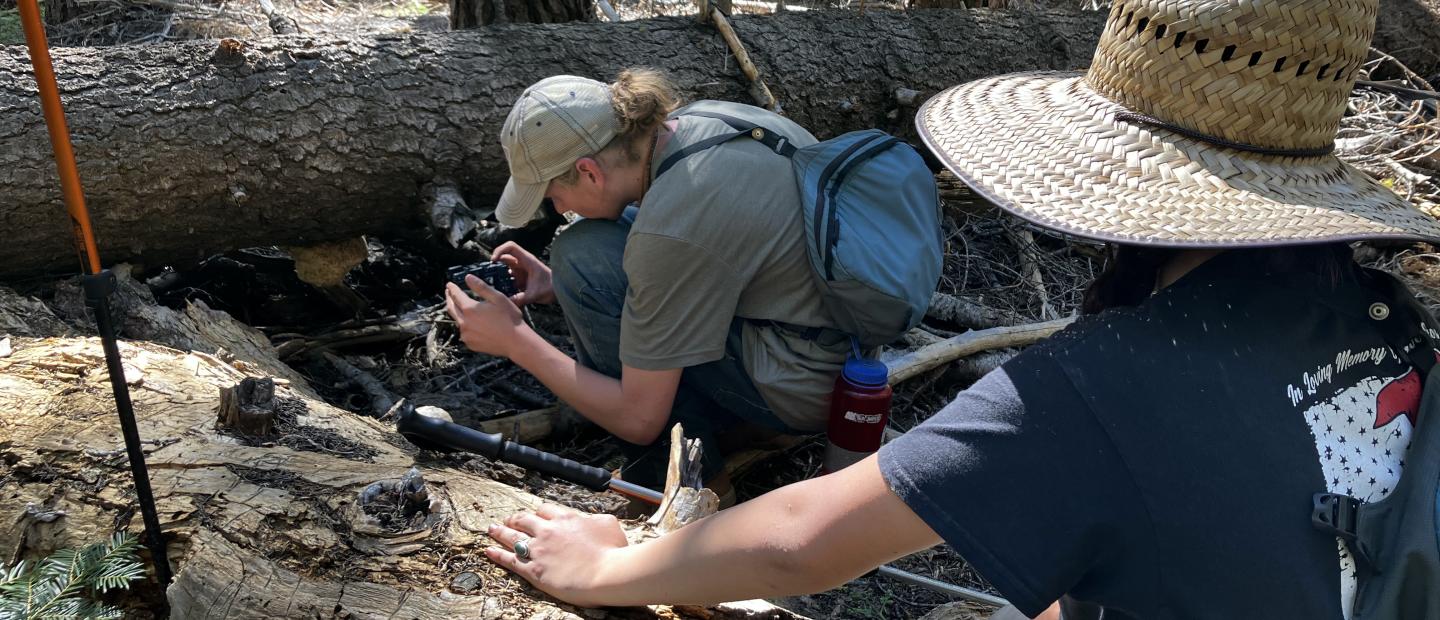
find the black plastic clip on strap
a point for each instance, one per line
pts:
(1339, 515)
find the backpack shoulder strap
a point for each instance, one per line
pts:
(775, 141)
(1340, 514)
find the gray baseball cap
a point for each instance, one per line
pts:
(555, 122)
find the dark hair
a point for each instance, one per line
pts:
(1130, 271)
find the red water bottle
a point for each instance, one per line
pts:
(859, 409)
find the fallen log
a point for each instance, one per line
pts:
(189, 149)
(271, 523)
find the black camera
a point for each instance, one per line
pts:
(494, 273)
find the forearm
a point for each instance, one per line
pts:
(799, 539)
(755, 550)
(599, 398)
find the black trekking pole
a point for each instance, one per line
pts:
(435, 434)
(98, 283)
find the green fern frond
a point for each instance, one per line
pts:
(64, 584)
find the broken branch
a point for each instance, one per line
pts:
(970, 343)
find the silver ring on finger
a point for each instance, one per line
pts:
(522, 549)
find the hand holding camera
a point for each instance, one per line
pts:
(493, 273)
(532, 276)
(487, 319)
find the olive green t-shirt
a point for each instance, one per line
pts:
(719, 236)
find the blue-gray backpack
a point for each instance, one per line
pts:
(1396, 540)
(871, 213)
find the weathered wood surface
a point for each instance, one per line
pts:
(184, 152)
(257, 527)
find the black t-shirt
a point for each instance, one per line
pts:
(1159, 461)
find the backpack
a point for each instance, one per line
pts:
(871, 213)
(1396, 541)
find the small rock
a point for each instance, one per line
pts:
(465, 582)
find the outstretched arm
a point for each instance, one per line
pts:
(802, 538)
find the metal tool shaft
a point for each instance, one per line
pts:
(636, 491)
(940, 586)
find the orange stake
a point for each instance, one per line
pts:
(97, 283)
(59, 134)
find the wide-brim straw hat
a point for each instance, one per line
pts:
(1203, 123)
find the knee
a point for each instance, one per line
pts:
(587, 254)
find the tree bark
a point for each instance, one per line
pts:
(475, 13)
(185, 152)
(1410, 31)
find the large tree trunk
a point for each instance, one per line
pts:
(474, 13)
(186, 150)
(258, 527)
(1410, 31)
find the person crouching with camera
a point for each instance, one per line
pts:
(654, 291)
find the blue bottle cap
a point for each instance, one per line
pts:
(866, 372)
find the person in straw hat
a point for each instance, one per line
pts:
(653, 294)
(1157, 459)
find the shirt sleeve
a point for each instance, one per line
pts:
(1022, 481)
(679, 306)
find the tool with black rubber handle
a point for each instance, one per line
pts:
(436, 434)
